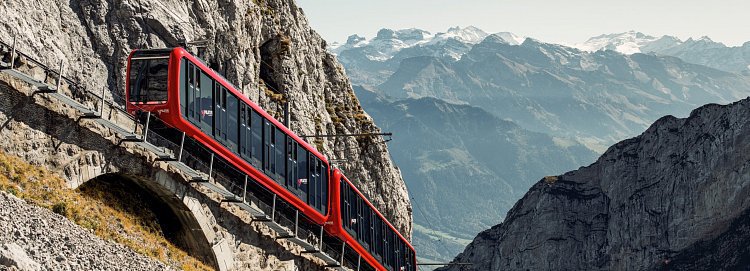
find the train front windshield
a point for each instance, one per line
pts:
(148, 78)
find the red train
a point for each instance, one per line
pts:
(185, 94)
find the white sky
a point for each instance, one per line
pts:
(558, 21)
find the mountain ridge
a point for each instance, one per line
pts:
(673, 197)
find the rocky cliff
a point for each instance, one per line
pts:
(265, 47)
(675, 197)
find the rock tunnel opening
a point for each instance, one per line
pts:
(268, 51)
(151, 210)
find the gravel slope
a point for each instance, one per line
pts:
(55, 243)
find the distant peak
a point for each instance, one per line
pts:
(354, 39)
(705, 38)
(385, 33)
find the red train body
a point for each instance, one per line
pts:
(185, 94)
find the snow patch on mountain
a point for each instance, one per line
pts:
(469, 34)
(627, 43)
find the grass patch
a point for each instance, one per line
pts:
(109, 218)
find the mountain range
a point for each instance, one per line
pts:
(502, 111)
(703, 51)
(545, 86)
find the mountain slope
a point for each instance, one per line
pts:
(449, 153)
(675, 197)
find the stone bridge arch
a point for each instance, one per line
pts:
(179, 215)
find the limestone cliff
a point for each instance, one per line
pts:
(675, 197)
(265, 47)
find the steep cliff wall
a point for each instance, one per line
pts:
(249, 41)
(675, 197)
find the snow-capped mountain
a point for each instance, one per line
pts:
(633, 42)
(702, 51)
(470, 35)
(389, 42)
(372, 60)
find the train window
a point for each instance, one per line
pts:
(256, 127)
(344, 197)
(360, 218)
(280, 156)
(367, 225)
(371, 230)
(291, 162)
(391, 249)
(244, 132)
(183, 86)
(196, 95)
(400, 253)
(320, 174)
(241, 147)
(220, 116)
(376, 240)
(312, 192)
(324, 187)
(271, 149)
(204, 104)
(267, 132)
(356, 207)
(190, 92)
(232, 123)
(148, 79)
(386, 245)
(303, 173)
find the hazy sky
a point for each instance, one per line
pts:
(560, 21)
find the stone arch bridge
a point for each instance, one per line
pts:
(50, 122)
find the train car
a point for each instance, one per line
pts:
(187, 95)
(366, 231)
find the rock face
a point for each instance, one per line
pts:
(33, 238)
(675, 197)
(262, 46)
